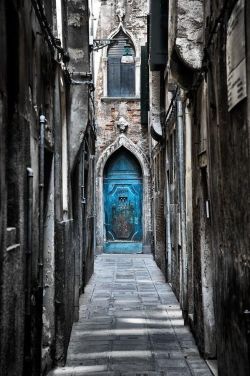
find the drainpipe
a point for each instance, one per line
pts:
(41, 200)
(246, 314)
(83, 203)
(168, 232)
(93, 165)
(83, 199)
(28, 273)
(39, 304)
(189, 204)
(29, 239)
(180, 162)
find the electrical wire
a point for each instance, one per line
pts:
(46, 29)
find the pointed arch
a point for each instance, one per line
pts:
(121, 76)
(137, 50)
(123, 141)
(113, 34)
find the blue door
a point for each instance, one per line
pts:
(123, 204)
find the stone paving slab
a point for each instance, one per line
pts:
(130, 324)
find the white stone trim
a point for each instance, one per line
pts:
(123, 141)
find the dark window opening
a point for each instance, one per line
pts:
(204, 184)
(75, 187)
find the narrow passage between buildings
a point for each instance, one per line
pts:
(131, 324)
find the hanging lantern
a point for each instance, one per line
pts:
(127, 57)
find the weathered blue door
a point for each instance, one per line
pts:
(123, 203)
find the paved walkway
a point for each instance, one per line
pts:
(131, 324)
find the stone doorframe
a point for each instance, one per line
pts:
(123, 141)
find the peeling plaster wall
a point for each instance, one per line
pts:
(158, 208)
(134, 20)
(203, 254)
(108, 119)
(218, 269)
(3, 190)
(189, 33)
(81, 132)
(229, 142)
(78, 48)
(49, 276)
(31, 81)
(25, 87)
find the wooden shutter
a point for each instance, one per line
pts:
(121, 76)
(144, 85)
(114, 76)
(127, 80)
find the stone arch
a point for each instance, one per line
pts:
(129, 35)
(123, 141)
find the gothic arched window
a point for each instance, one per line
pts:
(121, 67)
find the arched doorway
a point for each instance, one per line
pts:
(123, 195)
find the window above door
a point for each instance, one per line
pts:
(121, 67)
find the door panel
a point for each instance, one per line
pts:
(123, 208)
(123, 200)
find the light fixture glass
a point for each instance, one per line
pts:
(127, 57)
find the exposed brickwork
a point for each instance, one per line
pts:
(108, 117)
(110, 111)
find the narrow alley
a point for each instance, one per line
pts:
(124, 187)
(130, 324)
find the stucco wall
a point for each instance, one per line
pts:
(228, 138)
(189, 32)
(218, 265)
(158, 206)
(33, 82)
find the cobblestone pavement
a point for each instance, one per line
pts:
(130, 324)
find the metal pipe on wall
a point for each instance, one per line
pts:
(181, 179)
(189, 203)
(168, 232)
(39, 300)
(42, 122)
(83, 205)
(29, 240)
(28, 274)
(93, 177)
